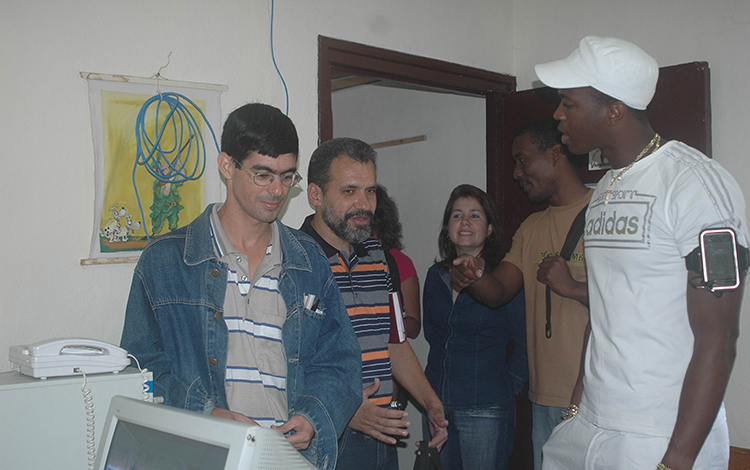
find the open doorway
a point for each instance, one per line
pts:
(358, 82)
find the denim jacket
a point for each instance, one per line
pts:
(174, 326)
(467, 365)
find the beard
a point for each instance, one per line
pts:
(340, 226)
(537, 198)
(539, 192)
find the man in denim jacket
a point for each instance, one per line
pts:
(239, 316)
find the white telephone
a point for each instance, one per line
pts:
(67, 356)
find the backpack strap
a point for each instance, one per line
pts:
(571, 240)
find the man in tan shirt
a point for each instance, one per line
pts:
(544, 171)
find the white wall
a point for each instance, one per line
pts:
(419, 176)
(673, 31)
(48, 174)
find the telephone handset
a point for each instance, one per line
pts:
(67, 356)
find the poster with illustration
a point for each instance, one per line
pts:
(155, 146)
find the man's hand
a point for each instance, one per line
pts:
(554, 272)
(380, 423)
(438, 426)
(226, 414)
(408, 372)
(303, 431)
(466, 271)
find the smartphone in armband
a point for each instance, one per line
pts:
(719, 259)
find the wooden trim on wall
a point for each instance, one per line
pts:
(495, 126)
(739, 458)
(371, 61)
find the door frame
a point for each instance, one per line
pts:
(345, 56)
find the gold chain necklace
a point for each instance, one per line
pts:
(655, 142)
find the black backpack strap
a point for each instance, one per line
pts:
(571, 240)
(428, 458)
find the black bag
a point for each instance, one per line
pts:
(428, 458)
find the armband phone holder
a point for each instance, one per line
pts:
(719, 260)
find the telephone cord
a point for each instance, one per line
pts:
(88, 401)
(145, 383)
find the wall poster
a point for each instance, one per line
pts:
(155, 166)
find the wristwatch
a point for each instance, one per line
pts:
(570, 412)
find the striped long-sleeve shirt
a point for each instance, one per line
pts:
(364, 283)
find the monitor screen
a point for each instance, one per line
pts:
(145, 436)
(135, 447)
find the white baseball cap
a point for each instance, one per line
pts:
(615, 67)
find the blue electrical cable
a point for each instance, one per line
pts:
(273, 57)
(187, 133)
(152, 155)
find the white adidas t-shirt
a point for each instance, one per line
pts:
(635, 245)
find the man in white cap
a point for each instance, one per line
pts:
(663, 334)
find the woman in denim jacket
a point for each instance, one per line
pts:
(468, 365)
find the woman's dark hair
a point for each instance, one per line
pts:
(493, 250)
(385, 223)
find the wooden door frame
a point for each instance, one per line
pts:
(335, 54)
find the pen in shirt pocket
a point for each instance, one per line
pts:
(310, 302)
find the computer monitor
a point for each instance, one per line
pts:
(146, 436)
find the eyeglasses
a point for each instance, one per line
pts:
(265, 179)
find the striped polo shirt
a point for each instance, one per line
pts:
(254, 312)
(364, 283)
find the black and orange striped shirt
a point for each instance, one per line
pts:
(364, 283)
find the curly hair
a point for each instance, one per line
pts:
(493, 249)
(545, 135)
(385, 224)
